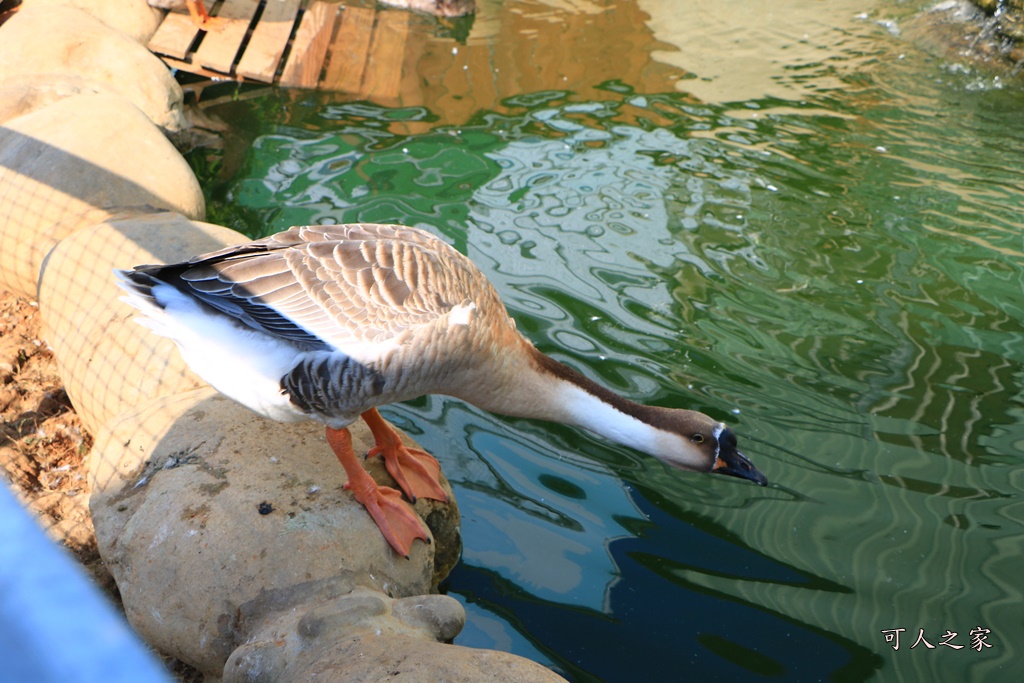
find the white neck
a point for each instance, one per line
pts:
(583, 409)
(546, 390)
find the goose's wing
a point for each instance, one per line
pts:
(342, 285)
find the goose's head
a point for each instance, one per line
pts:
(694, 441)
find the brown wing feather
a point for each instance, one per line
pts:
(347, 284)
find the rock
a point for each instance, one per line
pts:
(74, 164)
(212, 520)
(366, 636)
(236, 549)
(40, 41)
(134, 18)
(296, 638)
(25, 94)
(396, 657)
(108, 362)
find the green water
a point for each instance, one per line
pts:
(837, 271)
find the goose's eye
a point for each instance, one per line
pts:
(697, 438)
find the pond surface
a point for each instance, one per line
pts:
(785, 214)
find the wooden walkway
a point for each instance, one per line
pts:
(292, 43)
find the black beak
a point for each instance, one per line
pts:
(730, 461)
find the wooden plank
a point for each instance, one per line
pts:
(194, 69)
(306, 60)
(175, 36)
(220, 46)
(349, 49)
(268, 41)
(387, 54)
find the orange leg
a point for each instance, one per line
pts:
(200, 17)
(395, 519)
(415, 471)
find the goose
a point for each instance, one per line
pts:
(329, 322)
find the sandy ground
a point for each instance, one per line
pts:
(42, 442)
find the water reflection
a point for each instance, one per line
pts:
(743, 51)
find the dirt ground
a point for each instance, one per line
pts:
(43, 445)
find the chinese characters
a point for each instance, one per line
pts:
(978, 639)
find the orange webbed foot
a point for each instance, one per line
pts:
(415, 471)
(397, 521)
